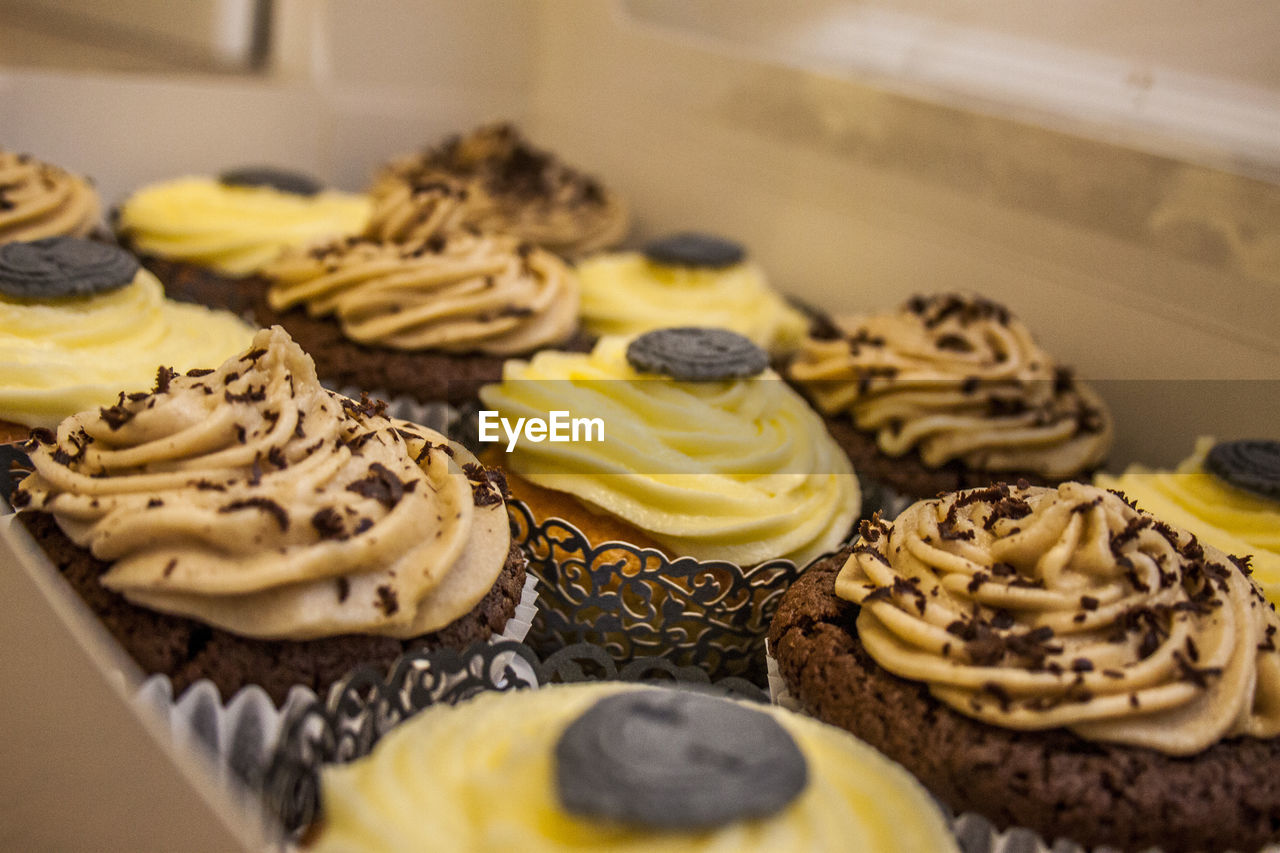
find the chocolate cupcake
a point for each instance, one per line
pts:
(1226, 493)
(948, 392)
(1051, 659)
(247, 526)
(687, 279)
(39, 200)
(206, 237)
(432, 320)
(704, 485)
(623, 768)
(80, 320)
(494, 180)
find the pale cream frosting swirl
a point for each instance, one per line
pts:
(739, 470)
(252, 499)
(430, 784)
(1036, 608)
(625, 293)
(956, 377)
(234, 229)
(62, 356)
(494, 180)
(464, 292)
(39, 200)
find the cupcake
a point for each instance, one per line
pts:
(951, 391)
(248, 526)
(79, 320)
(433, 320)
(698, 484)
(1226, 493)
(687, 279)
(494, 180)
(205, 237)
(1054, 659)
(39, 200)
(607, 766)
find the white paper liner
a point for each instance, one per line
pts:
(974, 832)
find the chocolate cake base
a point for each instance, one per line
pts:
(186, 650)
(424, 375)
(909, 476)
(187, 282)
(1053, 782)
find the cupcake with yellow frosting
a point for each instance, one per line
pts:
(675, 486)
(952, 391)
(80, 320)
(608, 766)
(206, 237)
(432, 320)
(687, 279)
(245, 525)
(39, 200)
(1055, 659)
(1226, 493)
(494, 180)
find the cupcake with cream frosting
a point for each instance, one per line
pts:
(80, 320)
(433, 320)
(206, 237)
(952, 391)
(244, 524)
(1226, 493)
(716, 476)
(687, 279)
(1051, 658)
(39, 200)
(495, 180)
(607, 766)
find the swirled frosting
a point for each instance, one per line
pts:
(393, 799)
(625, 293)
(494, 180)
(1226, 517)
(40, 200)
(252, 499)
(464, 292)
(61, 356)
(1035, 608)
(234, 229)
(740, 470)
(957, 377)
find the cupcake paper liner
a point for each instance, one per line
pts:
(637, 603)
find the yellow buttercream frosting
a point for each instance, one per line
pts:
(480, 776)
(739, 470)
(253, 499)
(1035, 608)
(62, 356)
(460, 292)
(234, 229)
(956, 377)
(1228, 518)
(625, 293)
(39, 200)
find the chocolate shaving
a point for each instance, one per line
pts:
(164, 375)
(251, 395)
(265, 504)
(380, 484)
(387, 600)
(328, 523)
(344, 589)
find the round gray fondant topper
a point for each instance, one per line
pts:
(284, 180)
(697, 354)
(692, 249)
(59, 267)
(671, 759)
(1252, 465)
